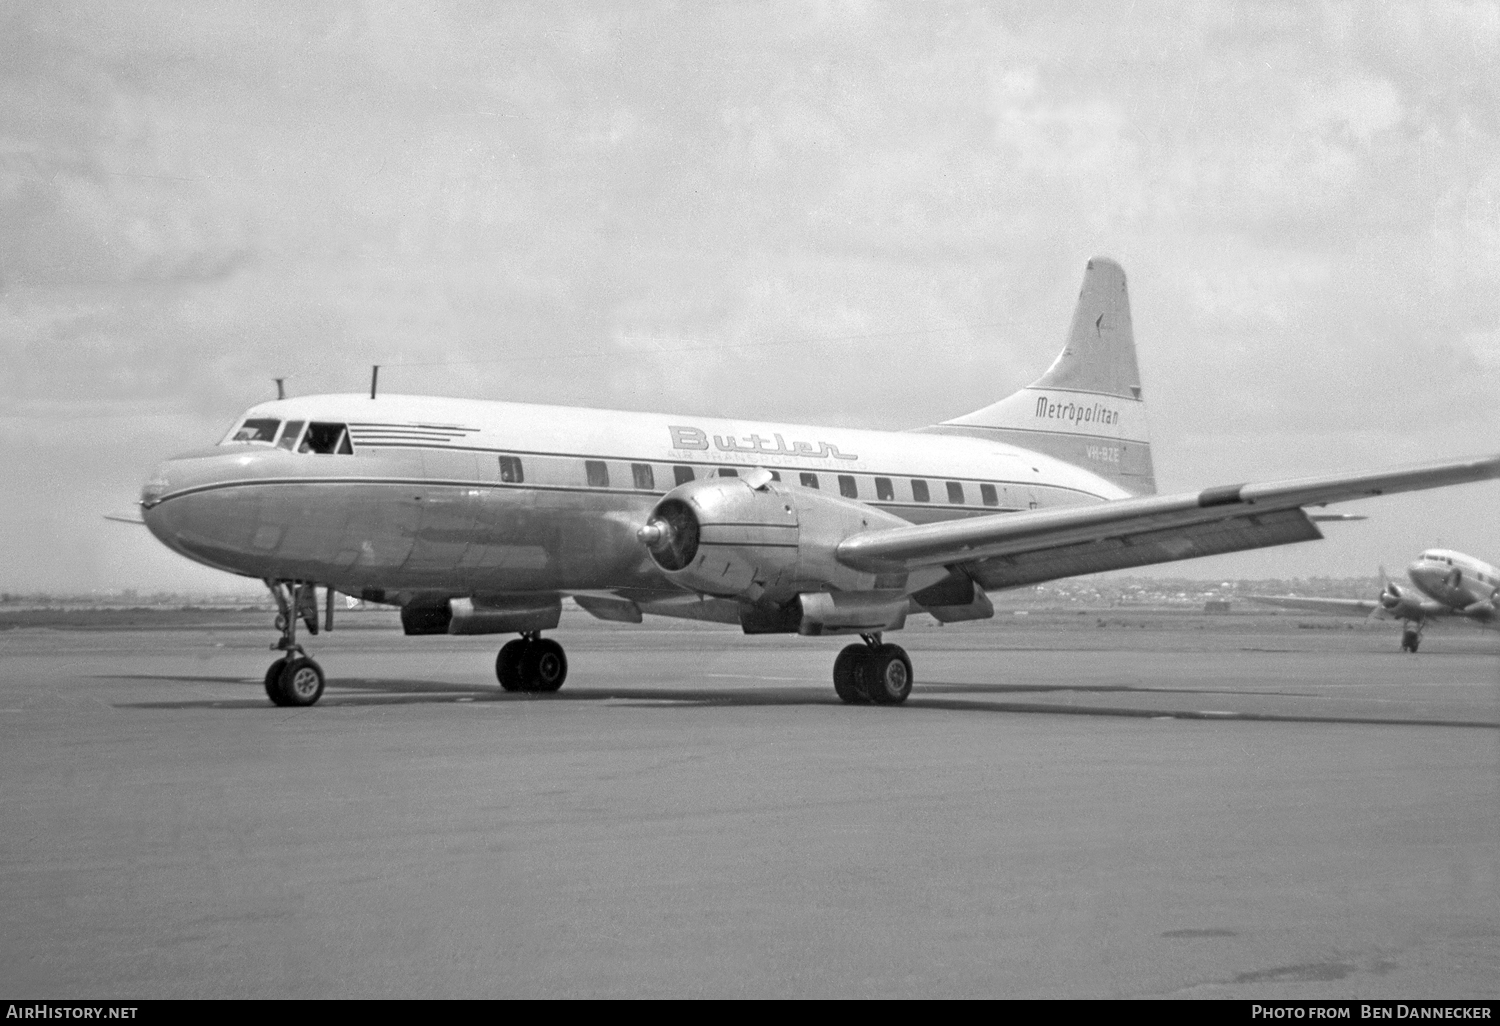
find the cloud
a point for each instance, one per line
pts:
(553, 202)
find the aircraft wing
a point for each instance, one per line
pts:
(1346, 607)
(1009, 550)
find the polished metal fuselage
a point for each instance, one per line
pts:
(423, 505)
(1458, 581)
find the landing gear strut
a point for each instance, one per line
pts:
(294, 679)
(872, 672)
(1411, 637)
(531, 663)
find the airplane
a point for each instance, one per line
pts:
(479, 517)
(1448, 583)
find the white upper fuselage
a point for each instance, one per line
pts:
(701, 442)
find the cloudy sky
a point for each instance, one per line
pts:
(867, 214)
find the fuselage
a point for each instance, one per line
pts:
(454, 497)
(1454, 579)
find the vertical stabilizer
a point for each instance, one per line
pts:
(1087, 409)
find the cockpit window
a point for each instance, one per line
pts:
(289, 436)
(327, 439)
(257, 430)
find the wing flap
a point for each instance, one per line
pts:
(1232, 534)
(1162, 528)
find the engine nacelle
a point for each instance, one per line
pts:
(755, 539)
(851, 612)
(485, 614)
(1400, 604)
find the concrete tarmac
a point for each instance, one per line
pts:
(1070, 805)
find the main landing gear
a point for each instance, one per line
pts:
(1411, 637)
(531, 663)
(295, 679)
(872, 672)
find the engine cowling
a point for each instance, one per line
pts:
(1400, 604)
(757, 540)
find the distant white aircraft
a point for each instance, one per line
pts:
(479, 517)
(1448, 583)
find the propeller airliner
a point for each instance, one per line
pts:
(479, 517)
(1448, 585)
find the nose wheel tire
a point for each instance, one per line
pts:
(531, 664)
(294, 682)
(872, 673)
(1410, 640)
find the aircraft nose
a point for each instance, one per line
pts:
(1423, 577)
(156, 486)
(165, 479)
(177, 501)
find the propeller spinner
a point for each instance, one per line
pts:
(671, 535)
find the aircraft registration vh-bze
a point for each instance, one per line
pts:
(1449, 585)
(480, 517)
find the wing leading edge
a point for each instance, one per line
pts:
(1013, 549)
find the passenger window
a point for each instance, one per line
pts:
(597, 472)
(326, 439)
(847, 487)
(257, 431)
(682, 474)
(987, 494)
(644, 477)
(728, 472)
(884, 489)
(955, 493)
(289, 435)
(809, 480)
(919, 491)
(511, 471)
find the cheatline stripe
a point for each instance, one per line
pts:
(422, 482)
(435, 483)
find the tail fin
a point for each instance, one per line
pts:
(1087, 409)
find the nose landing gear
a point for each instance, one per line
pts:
(294, 679)
(531, 663)
(872, 672)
